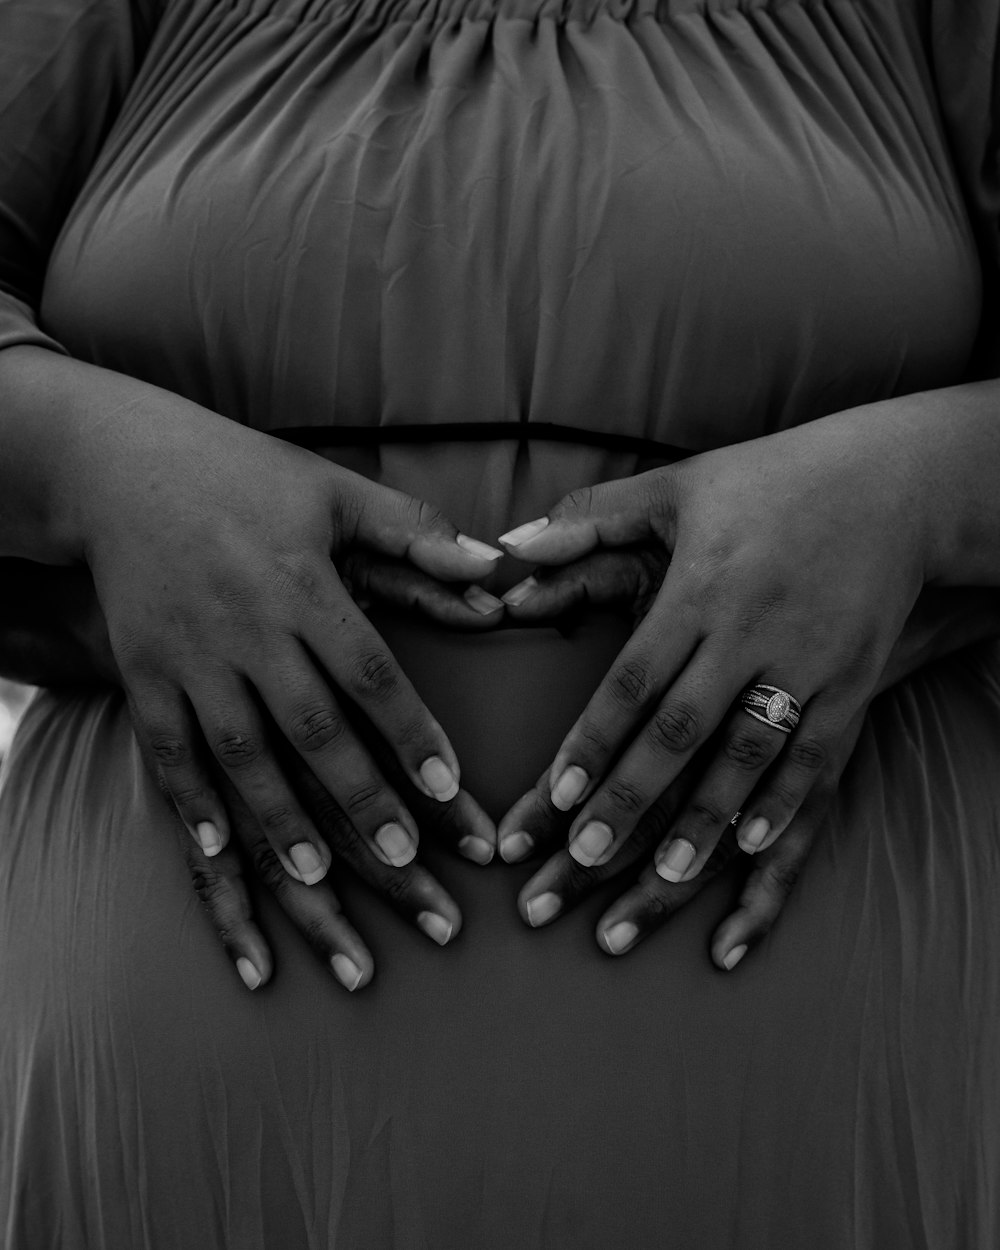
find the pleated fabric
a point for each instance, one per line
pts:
(692, 222)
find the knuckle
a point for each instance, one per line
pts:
(373, 677)
(706, 814)
(654, 904)
(315, 728)
(675, 728)
(632, 682)
(580, 500)
(209, 884)
(235, 750)
(314, 928)
(277, 820)
(269, 867)
(595, 740)
(625, 795)
(396, 884)
(780, 877)
(362, 798)
(748, 752)
(297, 580)
(809, 754)
(169, 750)
(186, 797)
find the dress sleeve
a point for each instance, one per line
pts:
(65, 67)
(965, 51)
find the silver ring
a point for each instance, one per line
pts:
(771, 706)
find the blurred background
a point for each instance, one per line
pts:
(13, 701)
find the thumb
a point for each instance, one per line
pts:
(609, 515)
(395, 524)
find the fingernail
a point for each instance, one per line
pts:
(516, 846)
(208, 837)
(733, 958)
(542, 909)
(621, 936)
(591, 842)
(250, 975)
(477, 849)
(569, 786)
(483, 602)
(523, 533)
(678, 859)
(475, 548)
(439, 779)
(346, 971)
(307, 861)
(753, 835)
(395, 844)
(523, 590)
(435, 926)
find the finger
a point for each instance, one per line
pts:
(396, 524)
(782, 792)
(609, 515)
(459, 823)
(532, 824)
(739, 758)
(220, 885)
(652, 901)
(767, 889)
(562, 882)
(688, 714)
(392, 581)
(362, 668)
(240, 742)
(313, 722)
(664, 643)
(631, 576)
(172, 747)
(413, 891)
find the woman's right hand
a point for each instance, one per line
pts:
(212, 548)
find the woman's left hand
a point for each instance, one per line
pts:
(792, 561)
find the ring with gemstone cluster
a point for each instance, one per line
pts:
(772, 706)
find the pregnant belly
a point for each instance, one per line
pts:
(506, 698)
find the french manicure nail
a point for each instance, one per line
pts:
(476, 849)
(346, 971)
(307, 861)
(591, 842)
(733, 958)
(569, 787)
(208, 837)
(753, 835)
(524, 533)
(523, 590)
(483, 602)
(621, 936)
(516, 846)
(435, 926)
(678, 859)
(251, 977)
(439, 779)
(395, 844)
(475, 548)
(543, 908)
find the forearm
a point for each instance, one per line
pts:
(945, 445)
(67, 431)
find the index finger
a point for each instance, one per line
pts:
(651, 660)
(360, 664)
